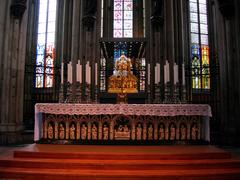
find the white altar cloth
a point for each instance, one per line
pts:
(126, 109)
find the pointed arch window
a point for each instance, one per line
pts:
(199, 44)
(123, 19)
(44, 71)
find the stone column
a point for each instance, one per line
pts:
(13, 29)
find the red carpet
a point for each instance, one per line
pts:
(120, 162)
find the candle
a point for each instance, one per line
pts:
(62, 71)
(96, 74)
(69, 75)
(155, 70)
(183, 74)
(166, 72)
(158, 72)
(79, 72)
(88, 73)
(149, 72)
(175, 73)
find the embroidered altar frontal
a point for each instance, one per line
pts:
(94, 123)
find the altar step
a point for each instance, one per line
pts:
(130, 164)
(121, 164)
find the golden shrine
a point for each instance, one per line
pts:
(122, 81)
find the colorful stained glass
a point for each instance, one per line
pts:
(127, 24)
(128, 6)
(122, 15)
(195, 50)
(45, 44)
(118, 15)
(117, 5)
(117, 24)
(49, 81)
(39, 81)
(117, 33)
(128, 15)
(128, 33)
(200, 59)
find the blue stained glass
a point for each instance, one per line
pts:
(195, 49)
(40, 60)
(40, 48)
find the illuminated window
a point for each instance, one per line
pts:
(45, 44)
(102, 5)
(123, 18)
(199, 44)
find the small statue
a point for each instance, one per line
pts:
(194, 132)
(150, 132)
(105, 132)
(120, 128)
(172, 132)
(139, 132)
(183, 134)
(72, 131)
(50, 131)
(161, 132)
(125, 128)
(94, 132)
(83, 132)
(61, 131)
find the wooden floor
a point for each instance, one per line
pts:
(45, 161)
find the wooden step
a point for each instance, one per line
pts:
(32, 173)
(120, 156)
(120, 164)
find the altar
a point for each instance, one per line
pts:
(79, 123)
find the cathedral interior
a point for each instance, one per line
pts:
(65, 51)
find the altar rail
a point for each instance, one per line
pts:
(111, 122)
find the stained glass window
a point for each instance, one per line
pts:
(123, 18)
(45, 44)
(199, 44)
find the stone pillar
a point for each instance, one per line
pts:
(13, 29)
